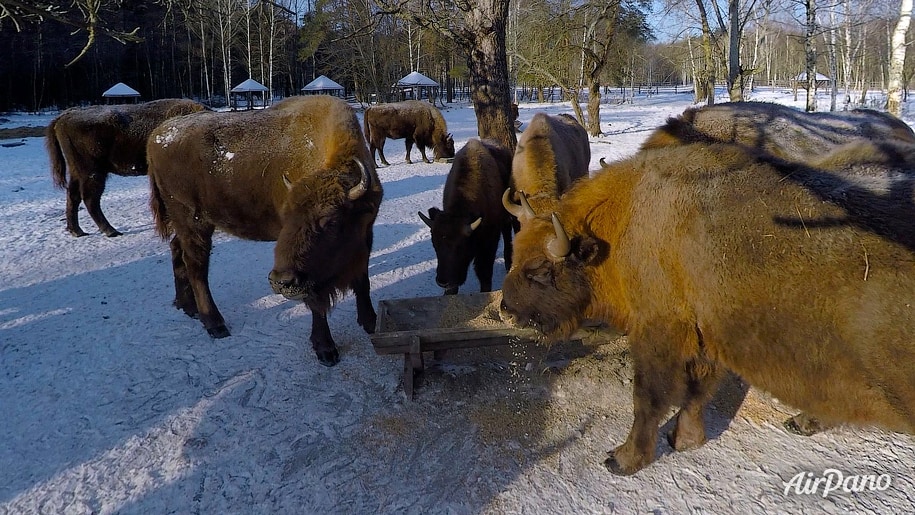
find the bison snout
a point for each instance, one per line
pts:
(287, 284)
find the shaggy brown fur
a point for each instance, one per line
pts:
(472, 196)
(799, 279)
(552, 152)
(418, 121)
(779, 130)
(99, 140)
(298, 173)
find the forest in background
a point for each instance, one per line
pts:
(202, 48)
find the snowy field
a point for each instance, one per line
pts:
(116, 402)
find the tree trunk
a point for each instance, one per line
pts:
(594, 108)
(810, 55)
(735, 79)
(897, 59)
(488, 65)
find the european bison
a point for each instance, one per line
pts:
(99, 140)
(468, 226)
(418, 121)
(799, 279)
(778, 130)
(552, 152)
(298, 173)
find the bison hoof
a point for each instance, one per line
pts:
(804, 425)
(617, 468)
(369, 325)
(451, 291)
(78, 233)
(113, 233)
(219, 331)
(328, 358)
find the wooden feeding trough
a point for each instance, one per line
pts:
(434, 324)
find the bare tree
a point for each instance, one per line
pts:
(897, 59)
(478, 28)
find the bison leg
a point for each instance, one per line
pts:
(409, 143)
(702, 378)
(91, 189)
(483, 262)
(184, 294)
(422, 151)
(507, 247)
(658, 366)
(196, 242)
(321, 340)
(380, 148)
(365, 312)
(74, 197)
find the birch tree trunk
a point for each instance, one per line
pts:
(897, 59)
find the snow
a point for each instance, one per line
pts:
(114, 401)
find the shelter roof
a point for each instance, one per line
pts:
(120, 90)
(247, 86)
(322, 83)
(416, 79)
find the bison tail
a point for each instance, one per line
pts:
(56, 155)
(157, 206)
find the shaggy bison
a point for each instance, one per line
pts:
(552, 152)
(99, 140)
(298, 173)
(468, 226)
(778, 130)
(418, 121)
(801, 279)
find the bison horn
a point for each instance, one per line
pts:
(560, 246)
(287, 182)
(363, 186)
(425, 218)
(523, 211)
(476, 223)
(604, 164)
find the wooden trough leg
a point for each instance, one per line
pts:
(412, 366)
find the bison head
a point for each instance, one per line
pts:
(323, 239)
(547, 287)
(453, 241)
(443, 147)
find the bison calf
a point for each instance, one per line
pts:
(298, 173)
(99, 140)
(415, 120)
(800, 279)
(468, 226)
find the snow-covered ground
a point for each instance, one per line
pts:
(114, 401)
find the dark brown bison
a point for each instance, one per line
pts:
(298, 173)
(468, 226)
(801, 279)
(552, 152)
(99, 140)
(779, 130)
(418, 121)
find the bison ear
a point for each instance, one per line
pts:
(587, 249)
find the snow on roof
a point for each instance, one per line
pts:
(249, 85)
(819, 76)
(121, 90)
(321, 83)
(416, 79)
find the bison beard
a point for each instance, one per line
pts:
(314, 193)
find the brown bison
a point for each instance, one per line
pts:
(298, 173)
(779, 130)
(468, 226)
(418, 121)
(801, 279)
(99, 140)
(552, 152)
